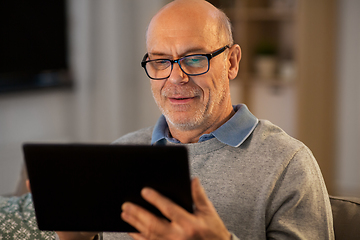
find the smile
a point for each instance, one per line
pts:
(181, 100)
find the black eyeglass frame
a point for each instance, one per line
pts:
(209, 56)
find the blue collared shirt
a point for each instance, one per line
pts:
(234, 132)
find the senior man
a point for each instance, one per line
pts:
(256, 181)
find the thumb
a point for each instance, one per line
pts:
(201, 201)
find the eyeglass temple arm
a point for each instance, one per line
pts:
(143, 62)
(214, 54)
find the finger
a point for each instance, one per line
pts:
(167, 207)
(135, 215)
(141, 219)
(199, 196)
(76, 235)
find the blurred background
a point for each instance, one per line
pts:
(75, 76)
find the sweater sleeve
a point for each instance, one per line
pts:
(299, 206)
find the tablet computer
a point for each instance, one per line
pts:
(81, 187)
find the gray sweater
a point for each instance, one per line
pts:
(270, 187)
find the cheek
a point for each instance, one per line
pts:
(209, 85)
(156, 88)
(216, 88)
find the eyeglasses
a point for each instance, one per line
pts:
(191, 65)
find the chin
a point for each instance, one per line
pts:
(187, 126)
(184, 123)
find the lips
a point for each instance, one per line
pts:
(180, 100)
(183, 95)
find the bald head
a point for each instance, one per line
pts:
(200, 15)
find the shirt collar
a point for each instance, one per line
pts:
(234, 132)
(161, 131)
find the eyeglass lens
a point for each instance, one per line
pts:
(191, 65)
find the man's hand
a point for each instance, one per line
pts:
(76, 235)
(205, 223)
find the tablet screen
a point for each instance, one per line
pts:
(81, 187)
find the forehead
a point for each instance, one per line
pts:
(168, 32)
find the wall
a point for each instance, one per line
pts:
(276, 104)
(40, 116)
(279, 106)
(348, 89)
(111, 97)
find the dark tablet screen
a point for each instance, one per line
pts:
(81, 187)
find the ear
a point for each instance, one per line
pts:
(234, 60)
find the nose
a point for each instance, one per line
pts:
(177, 76)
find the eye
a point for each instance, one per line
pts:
(196, 61)
(159, 64)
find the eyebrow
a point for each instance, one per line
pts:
(194, 50)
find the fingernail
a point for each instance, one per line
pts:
(125, 206)
(145, 191)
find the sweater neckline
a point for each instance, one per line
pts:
(199, 148)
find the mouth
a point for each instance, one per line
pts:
(181, 100)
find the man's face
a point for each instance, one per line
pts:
(189, 102)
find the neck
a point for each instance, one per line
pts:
(193, 136)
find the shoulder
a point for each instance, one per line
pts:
(268, 135)
(271, 145)
(142, 136)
